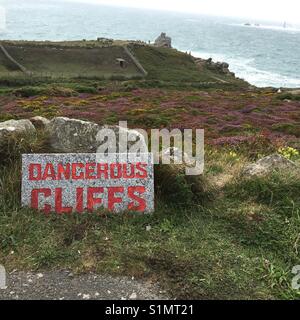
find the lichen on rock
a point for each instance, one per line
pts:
(12, 128)
(268, 164)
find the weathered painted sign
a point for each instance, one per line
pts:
(65, 183)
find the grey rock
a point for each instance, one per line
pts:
(163, 41)
(40, 122)
(268, 164)
(77, 136)
(72, 135)
(221, 67)
(12, 128)
(133, 296)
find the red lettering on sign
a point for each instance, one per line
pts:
(75, 175)
(113, 173)
(112, 200)
(67, 184)
(63, 171)
(102, 170)
(49, 172)
(35, 199)
(141, 202)
(90, 171)
(125, 171)
(91, 200)
(35, 167)
(58, 202)
(143, 171)
(79, 200)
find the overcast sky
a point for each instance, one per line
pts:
(277, 10)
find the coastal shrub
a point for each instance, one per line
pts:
(289, 96)
(253, 146)
(60, 91)
(288, 128)
(174, 186)
(151, 121)
(29, 91)
(118, 77)
(10, 193)
(89, 77)
(51, 90)
(11, 81)
(85, 89)
(129, 85)
(7, 116)
(111, 119)
(11, 151)
(279, 190)
(12, 148)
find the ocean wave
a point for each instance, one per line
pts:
(268, 27)
(243, 69)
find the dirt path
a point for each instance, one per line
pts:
(63, 285)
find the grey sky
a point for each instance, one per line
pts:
(277, 10)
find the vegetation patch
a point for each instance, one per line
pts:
(216, 236)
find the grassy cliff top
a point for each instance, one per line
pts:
(98, 59)
(102, 42)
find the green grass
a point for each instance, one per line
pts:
(238, 239)
(170, 65)
(83, 61)
(68, 62)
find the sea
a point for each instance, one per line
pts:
(263, 53)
